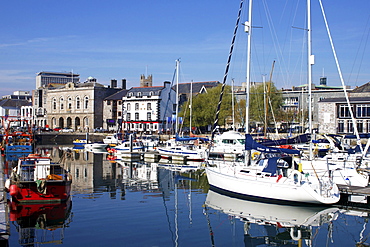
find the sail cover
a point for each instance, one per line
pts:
(252, 144)
(298, 139)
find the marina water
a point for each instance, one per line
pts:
(147, 203)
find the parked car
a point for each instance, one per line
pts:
(57, 129)
(66, 130)
(100, 130)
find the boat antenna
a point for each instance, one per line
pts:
(215, 123)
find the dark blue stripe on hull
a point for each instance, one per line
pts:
(262, 199)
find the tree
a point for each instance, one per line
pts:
(257, 102)
(204, 107)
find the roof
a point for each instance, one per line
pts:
(49, 73)
(118, 95)
(156, 90)
(184, 88)
(343, 100)
(362, 89)
(14, 103)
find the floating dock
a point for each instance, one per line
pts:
(355, 196)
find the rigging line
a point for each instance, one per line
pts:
(226, 72)
(341, 79)
(276, 44)
(168, 101)
(364, 49)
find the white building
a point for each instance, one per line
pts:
(148, 109)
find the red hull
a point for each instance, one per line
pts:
(55, 213)
(27, 192)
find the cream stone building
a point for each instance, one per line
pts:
(78, 106)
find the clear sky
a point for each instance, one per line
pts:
(115, 39)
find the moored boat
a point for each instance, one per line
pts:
(96, 146)
(36, 179)
(18, 136)
(273, 176)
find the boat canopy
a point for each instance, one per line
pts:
(297, 139)
(252, 144)
(178, 138)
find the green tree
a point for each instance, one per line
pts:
(257, 102)
(204, 107)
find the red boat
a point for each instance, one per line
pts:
(36, 179)
(39, 223)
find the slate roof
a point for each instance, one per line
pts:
(118, 95)
(156, 90)
(343, 100)
(184, 88)
(14, 103)
(362, 89)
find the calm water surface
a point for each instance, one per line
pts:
(120, 203)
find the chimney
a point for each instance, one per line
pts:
(124, 84)
(113, 83)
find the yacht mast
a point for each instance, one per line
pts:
(311, 61)
(177, 96)
(248, 29)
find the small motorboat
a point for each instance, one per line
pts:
(36, 179)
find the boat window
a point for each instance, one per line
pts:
(242, 141)
(27, 173)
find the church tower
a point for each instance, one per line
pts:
(146, 82)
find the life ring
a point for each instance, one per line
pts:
(295, 234)
(255, 155)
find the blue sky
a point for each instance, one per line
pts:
(115, 39)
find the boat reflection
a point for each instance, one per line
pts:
(283, 224)
(40, 223)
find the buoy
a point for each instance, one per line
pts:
(13, 191)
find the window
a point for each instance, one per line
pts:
(86, 102)
(54, 104)
(108, 102)
(136, 106)
(149, 116)
(344, 111)
(349, 126)
(363, 110)
(138, 94)
(340, 126)
(128, 106)
(360, 126)
(69, 103)
(136, 116)
(78, 103)
(368, 126)
(61, 103)
(128, 116)
(149, 106)
(150, 93)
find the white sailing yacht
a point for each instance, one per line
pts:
(274, 175)
(182, 147)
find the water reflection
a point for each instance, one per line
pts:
(40, 223)
(283, 224)
(179, 191)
